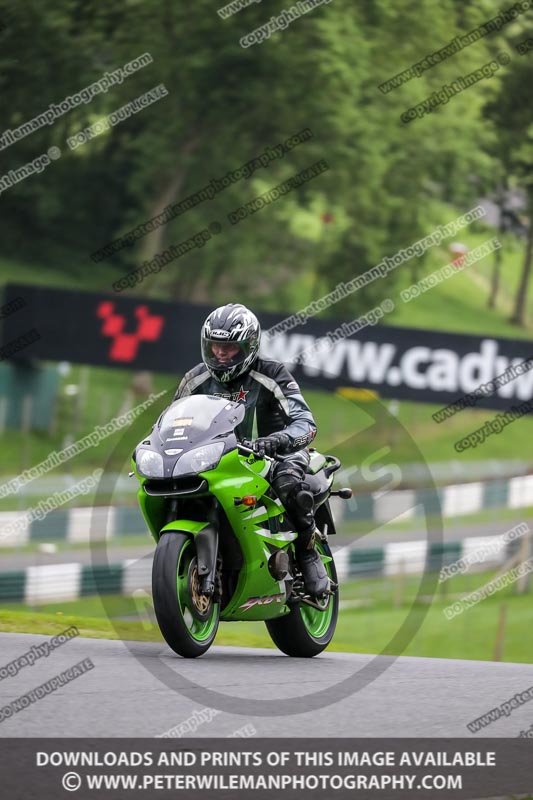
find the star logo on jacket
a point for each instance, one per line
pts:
(240, 395)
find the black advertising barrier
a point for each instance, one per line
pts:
(273, 768)
(138, 333)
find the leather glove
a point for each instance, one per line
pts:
(270, 445)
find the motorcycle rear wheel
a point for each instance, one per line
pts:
(305, 631)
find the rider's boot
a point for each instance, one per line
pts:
(314, 573)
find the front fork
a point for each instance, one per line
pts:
(206, 544)
(206, 551)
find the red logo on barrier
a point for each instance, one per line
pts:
(126, 345)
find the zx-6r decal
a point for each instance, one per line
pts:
(262, 601)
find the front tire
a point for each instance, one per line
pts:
(187, 620)
(305, 631)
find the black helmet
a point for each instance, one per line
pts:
(230, 341)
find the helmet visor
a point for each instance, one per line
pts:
(221, 355)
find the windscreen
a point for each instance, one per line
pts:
(199, 416)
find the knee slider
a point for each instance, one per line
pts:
(284, 482)
(305, 500)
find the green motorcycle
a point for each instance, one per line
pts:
(224, 541)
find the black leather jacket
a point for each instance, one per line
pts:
(272, 397)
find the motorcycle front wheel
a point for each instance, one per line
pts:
(188, 620)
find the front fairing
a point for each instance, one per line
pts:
(190, 423)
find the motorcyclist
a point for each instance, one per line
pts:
(276, 417)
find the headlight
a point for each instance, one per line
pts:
(150, 464)
(199, 460)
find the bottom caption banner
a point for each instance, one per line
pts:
(291, 768)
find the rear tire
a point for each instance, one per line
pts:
(188, 621)
(305, 631)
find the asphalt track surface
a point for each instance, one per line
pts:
(121, 696)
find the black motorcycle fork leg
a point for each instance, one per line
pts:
(206, 551)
